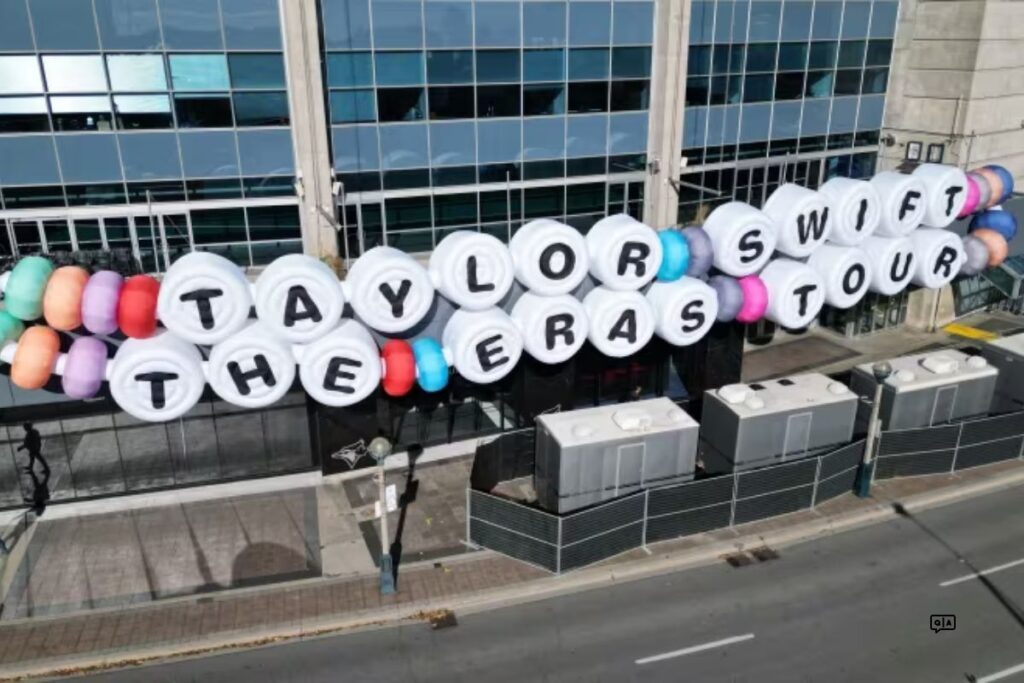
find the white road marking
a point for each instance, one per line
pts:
(984, 572)
(695, 648)
(1000, 675)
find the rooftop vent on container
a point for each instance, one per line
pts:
(734, 394)
(939, 364)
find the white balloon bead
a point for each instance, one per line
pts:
(743, 238)
(299, 298)
(904, 198)
(341, 368)
(388, 289)
(684, 310)
(796, 293)
(857, 209)
(892, 263)
(472, 269)
(624, 253)
(204, 298)
(553, 327)
(804, 219)
(157, 379)
(253, 368)
(938, 256)
(946, 190)
(550, 257)
(484, 345)
(621, 323)
(846, 272)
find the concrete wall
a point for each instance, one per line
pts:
(957, 78)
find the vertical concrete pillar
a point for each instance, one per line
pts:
(301, 34)
(668, 85)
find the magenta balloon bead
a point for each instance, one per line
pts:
(973, 197)
(84, 368)
(755, 299)
(99, 302)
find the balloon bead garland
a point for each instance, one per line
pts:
(545, 293)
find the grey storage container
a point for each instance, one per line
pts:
(745, 426)
(1007, 356)
(587, 456)
(928, 389)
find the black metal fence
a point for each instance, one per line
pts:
(564, 542)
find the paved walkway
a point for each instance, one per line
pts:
(266, 614)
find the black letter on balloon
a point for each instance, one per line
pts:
(813, 225)
(862, 213)
(297, 294)
(474, 285)
(693, 317)
(894, 269)
(950, 194)
(202, 298)
(486, 352)
(397, 301)
(334, 373)
(945, 261)
(634, 253)
(848, 285)
(241, 377)
(568, 262)
(624, 327)
(908, 202)
(803, 293)
(559, 325)
(157, 394)
(750, 242)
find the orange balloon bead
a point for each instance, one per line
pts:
(996, 243)
(995, 181)
(62, 301)
(35, 357)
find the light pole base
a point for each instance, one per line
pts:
(862, 488)
(387, 575)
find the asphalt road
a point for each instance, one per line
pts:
(854, 607)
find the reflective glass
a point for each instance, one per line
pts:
(452, 144)
(789, 86)
(256, 70)
(407, 179)
(137, 73)
(764, 20)
(628, 134)
(883, 19)
(590, 23)
(847, 82)
(755, 122)
(855, 19)
(251, 24)
(544, 138)
(630, 95)
(23, 115)
(449, 66)
(150, 156)
(796, 20)
(355, 148)
(74, 73)
(720, 59)
(697, 91)
(497, 100)
(346, 24)
(453, 175)
(191, 24)
(819, 83)
(543, 99)
(543, 65)
(28, 160)
(399, 68)
(870, 116)
(157, 191)
(588, 63)
(449, 24)
(761, 57)
(758, 88)
(89, 112)
(265, 152)
(140, 32)
(851, 53)
(588, 97)
(792, 56)
(698, 60)
(143, 111)
(702, 21)
(875, 81)
(451, 102)
(631, 62)
(209, 154)
(88, 158)
(95, 194)
(349, 69)
(879, 52)
(261, 109)
(633, 23)
(211, 189)
(64, 24)
(823, 55)
(544, 24)
(352, 106)
(827, 18)
(15, 30)
(403, 146)
(497, 66)
(397, 24)
(587, 136)
(199, 72)
(497, 24)
(498, 141)
(20, 74)
(400, 104)
(203, 111)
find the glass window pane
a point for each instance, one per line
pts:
(454, 209)
(150, 156)
(211, 189)
(789, 86)
(796, 20)
(761, 57)
(449, 24)
(720, 59)
(758, 88)
(89, 158)
(855, 19)
(399, 68)
(452, 144)
(497, 24)
(497, 100)
(589, 63)
(827, 18)
(792, 56)
(74, 73)
(261, 109)
(699, 60)
(81, 113)
(819, 83)
(349, 69)
(400, 104)
(847, 82)
(397, 24)
(191, 24)
(697, 91)
(404, 146)
(633, 23)
(251, 24)
(823, 55)
(543, 99)
(352, 106)
(451, 103)
(203, 111)
(851, 53)
(544, 24)
(346, 24)
(588, 97)
(143, 111)
(256, 70)
(543, 65)
(23, 115)
(64, 24)
(137, 73)
(879, 52)
(764, 20)
(450, 66)
(142, 32)
(497, 66)
(630, 95)
(15, 30)
(407, 213)
(631, 62)
(589, 23)
(199, 72)
(20, 74)
(883, 19)
(875, 81)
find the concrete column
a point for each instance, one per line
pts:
(668, 86)
(301, 34)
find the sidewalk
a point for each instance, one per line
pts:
(468, 582)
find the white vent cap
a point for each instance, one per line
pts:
(582, 431)
(632, 420)
(903, 377)
(940, 364)
(754, 402)
(734, 394)
(837, 388)
(977, 363)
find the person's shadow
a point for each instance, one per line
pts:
(33, 443)
(40, 491)
(408, 496)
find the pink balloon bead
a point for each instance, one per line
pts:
(755, 299)
(973, 195)
(84, 368)
(99, 302)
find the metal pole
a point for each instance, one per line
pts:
(867, 466)
(380, 448)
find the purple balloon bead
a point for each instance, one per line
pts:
(84, 368)
(730, 297)
(702, 253)
(99, 302)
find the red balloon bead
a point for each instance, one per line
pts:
(399, 368)
(136, 309)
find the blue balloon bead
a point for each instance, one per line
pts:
(676, 257)
(431, 367)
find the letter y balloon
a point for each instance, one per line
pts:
(477, 305)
